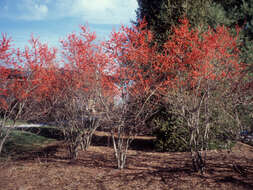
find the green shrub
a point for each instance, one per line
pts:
(22, 141)
(171, 135)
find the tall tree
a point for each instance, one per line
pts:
(240, 13)
(163, 15)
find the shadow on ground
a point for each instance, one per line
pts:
(146, 168)
(163, 170)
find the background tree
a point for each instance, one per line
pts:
(239, 14)
(163, 15)
(232, 14)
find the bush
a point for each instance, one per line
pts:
(170, 134)
(45, 131)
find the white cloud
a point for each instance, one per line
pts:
(98, 11)
(91, 11)
(32, 10)
(95, 5)
(24, 9)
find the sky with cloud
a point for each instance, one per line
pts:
(51, 20)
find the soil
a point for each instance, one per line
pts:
(95, 169)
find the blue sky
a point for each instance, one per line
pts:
(51, 20)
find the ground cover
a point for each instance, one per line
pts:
(47, 167)
(21, 142)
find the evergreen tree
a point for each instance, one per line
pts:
(162, 15)
(237, 13)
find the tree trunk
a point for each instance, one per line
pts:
(1, 145)
(85, 143)
(120, 150)
(198, 162)
(3, 135)
(73, 151)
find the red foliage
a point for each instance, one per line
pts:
(187, 57)
(134, 58)
(24, 74)
(211, 55)
(130, 59)
(5, 68)
(85, 64)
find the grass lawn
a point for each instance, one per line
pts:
(10, 122)
(22, 141)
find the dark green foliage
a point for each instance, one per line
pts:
(171, 137)
(225, 129)
(45, 131)
(22, 141)
(245, 113)
(162, 15)
(238, 13)
(221, 137)
(170, 132)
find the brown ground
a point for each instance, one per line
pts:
(95, 169)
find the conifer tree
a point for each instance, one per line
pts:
(163, 15)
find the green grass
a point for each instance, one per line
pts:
(10, 122)
(21, 142)
(216, 145)
(46, 131)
